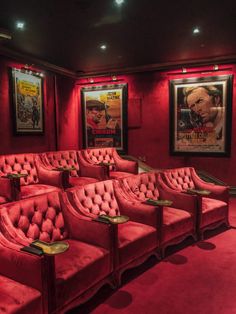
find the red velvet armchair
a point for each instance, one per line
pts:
(134, 240)
(76, 171)
(19, 293)
(116, 166)
(179, 216)
(76, 274)
(213, 200)
(23, 176)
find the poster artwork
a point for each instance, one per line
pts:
(28, 106)
(199, 112)
(103, 117)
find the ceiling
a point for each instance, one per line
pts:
(139, 33)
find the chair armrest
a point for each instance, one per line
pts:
(9, 230)
(140, 212)
(87, 169)
(21, 266)
(125, 165)
(217, 191)
(85, 229)
(50, 177)
(6, 188)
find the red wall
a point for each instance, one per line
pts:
(67, 114)
(151, 139)
(59, 101)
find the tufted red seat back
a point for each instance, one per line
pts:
(21, 164)
(179, 178)
(98, 155)
(142, 185)
(38, 218)
(97, 199)
(66, 158)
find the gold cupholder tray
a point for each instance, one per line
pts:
(50, 248)
(64, 168)
(115, 219)
(158, 202)
(16, 175)
(199, 192)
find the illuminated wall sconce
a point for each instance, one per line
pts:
(91, 80)
(114, 78)
(184, 70)
(215, 67)
(26, 69)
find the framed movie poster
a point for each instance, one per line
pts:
(200, 116)
(105, 116)
(27, 103)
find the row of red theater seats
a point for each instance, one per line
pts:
(26, 175)
(99, 252)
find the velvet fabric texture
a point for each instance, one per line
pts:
(48, 217)
(83, 172)
(178, 222)
(120, 167)
(20, 292)
(26, 186)
(16, 298)
(37, 189)
(57, 159)
(79, 269)
(213, 208)
(81, 180)
(3, 200)
(132, 239)
(212, 211)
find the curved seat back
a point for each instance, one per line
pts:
(67, 158)
(20, 164)
(179, 178)
(34, 218)
(95, 199)
(141, 186)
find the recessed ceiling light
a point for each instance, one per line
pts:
(196, 30)
(20, 25)
(119, 2)
(103, 47)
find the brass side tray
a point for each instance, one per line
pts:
(64, 168)
(50, 248)
(115, 219)
(158, 202)
(198, 192)
(16, 175)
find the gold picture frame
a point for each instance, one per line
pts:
(200, 116)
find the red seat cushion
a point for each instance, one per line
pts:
(18, 298)
(118, 174)
(176, 222)
(212, 210)
(79, 268)
(37, 189)
(3, 200)
(81, 180)
(135, 240)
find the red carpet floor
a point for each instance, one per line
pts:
(196, 278)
